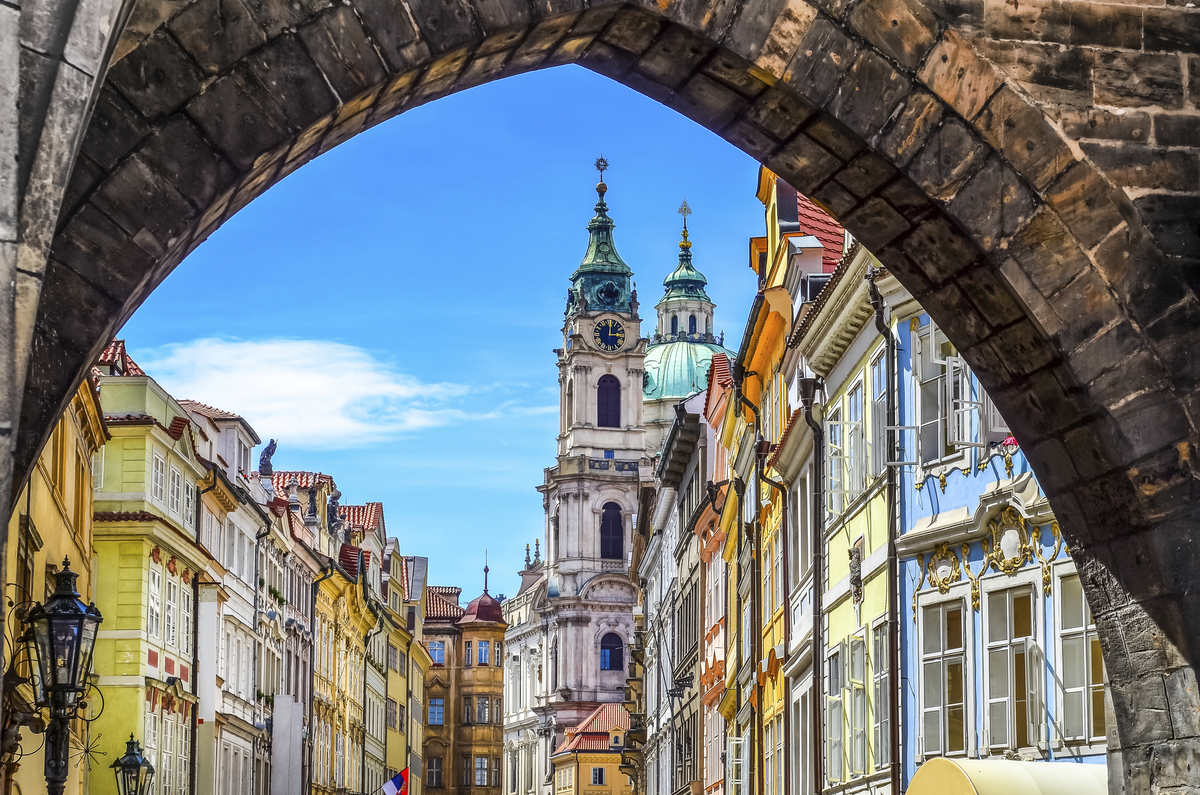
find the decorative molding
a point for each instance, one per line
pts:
(920, 582)
(1037, 548)
(1009, 521)
(943, 582)
(972, 576)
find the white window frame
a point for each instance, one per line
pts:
(189, 500)
(934, 664)
(171, 612)
(186, 617)
(856, 681)
(881, 693)
(154, 601)
(175, 492)
(736, 773)
(1009, 648)
(879, 419)
(1084, 687)
(158, 478)
(835, 720)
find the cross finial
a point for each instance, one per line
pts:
(485, 571)
(685, 210)
(601, 166)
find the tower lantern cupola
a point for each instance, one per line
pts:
(685, 311)
(602, 282)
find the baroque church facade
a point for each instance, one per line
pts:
(572, 622)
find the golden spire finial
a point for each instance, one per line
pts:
(685, 210)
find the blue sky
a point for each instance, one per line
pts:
(388, 311)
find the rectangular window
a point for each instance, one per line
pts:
(499, 653)
(433, 771)
(171, 614)
(481, 710)
(598, 776)
(495, 779)
(185, 620)
(175, 493)
(166, 757)
(1082, 667)
(391, 713)
(484, 652)
(481, 771)
(934, 393)
(467, 653)
(393, 658)
(184, 753)
(468, 710)
(883, 697)
(1014, 671)
(835, 725)
(437, 652)
(158, 479)
(943, 667)
(154, 607)
(189, 502)
(466, 770)
(151, 752)
(858, 705)
(437, 711)
(769, 758)
(879, 418)
(747, 630)
(737, 771)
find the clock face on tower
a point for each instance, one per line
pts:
(609, 335)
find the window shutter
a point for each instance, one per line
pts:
(965, 410)
(1035, 677)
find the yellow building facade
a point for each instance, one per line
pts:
(147, 562)
(588, 761)
(52, 521)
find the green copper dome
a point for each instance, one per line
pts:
(678, 369)
(685, 282)
(603, 280)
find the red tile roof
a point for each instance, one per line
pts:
(592, 734)
(720, 371)
(117, 357)
(438, 607)
(281, 478)
(348, 557)
(797, 416)
(124, 516)
(208, 411)
(816, 222)
(178, 426)
(364, 516)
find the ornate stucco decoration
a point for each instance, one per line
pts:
(1046, 561)
(972, 576)
(920, 582)
(1010, 542)
(943, 568)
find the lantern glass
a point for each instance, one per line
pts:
(64, 634)
(134, 774)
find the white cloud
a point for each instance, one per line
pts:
(312, 393)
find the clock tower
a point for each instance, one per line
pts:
(590, 494)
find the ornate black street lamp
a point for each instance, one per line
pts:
(61, 637)
(134, 773)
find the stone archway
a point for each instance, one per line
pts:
(929, 131)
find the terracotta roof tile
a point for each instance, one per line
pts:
(365, 516)
(797, 416)
(838, 274)
(438, 607)
(124, 516)
(208, 411)
(178, 426)
(816, 222)
(117, 357)
(348, 557)
(281, 478)
(720, 370)
(592, 733)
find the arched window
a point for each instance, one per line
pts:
(570, 412)
(612, 534)
(674, 325)
(612, 653)
(692, 324)
(608, 402)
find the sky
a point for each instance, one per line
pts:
(388, 311)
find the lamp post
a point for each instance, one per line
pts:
(61, 636)
(134, 773)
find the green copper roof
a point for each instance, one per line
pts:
(601, 253)
(602, 281)
(678, 369)
(685, 282)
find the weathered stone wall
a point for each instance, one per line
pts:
(1029, 172)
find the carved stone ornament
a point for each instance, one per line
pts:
(972, 576)
(943, 568)
(1010, 542)
(1046, 561)
(172, 565)
(156, 555)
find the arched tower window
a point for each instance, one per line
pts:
(612, 653)
(570, 412)
(674, 325)
(612, 534)
(608, 402)
(692, 324)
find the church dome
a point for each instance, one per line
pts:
(483, 608)
(678, 369)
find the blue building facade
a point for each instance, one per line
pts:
(1000, 657)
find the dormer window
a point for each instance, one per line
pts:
(243, 457)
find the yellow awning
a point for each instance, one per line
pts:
(1006, 777)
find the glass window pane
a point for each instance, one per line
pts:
(1022, 615)
(1072, 603)
(956, 736)
(858, 660)
(1073, 666)
(1099, 728)
(954, 628)
(933, 684)
(1073, 713)
(931, 618)
(933, 729)
(998, 674)
(998, 723)
(997, 616)
(954, 682)
(1097, 662)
